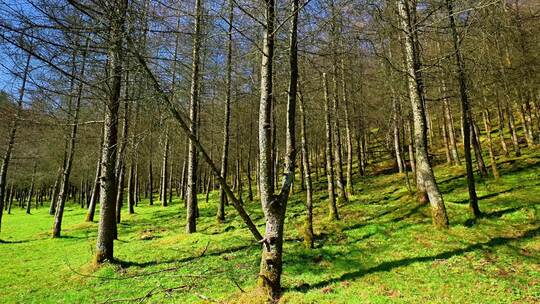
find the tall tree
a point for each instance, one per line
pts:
(191, 198)
(332, 205)
(274, 206)
(115, 13)
(465, 111)
(62, 194)
(426, 184)
(227, 121)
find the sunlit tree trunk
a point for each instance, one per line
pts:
(308, 241)
(332, 206)
(274, 206)
(425, 177)
(493, 160)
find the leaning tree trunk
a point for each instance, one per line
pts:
(465, 113)
(11, 138)
(191, 197)
(107, 220)
(191, 137)
(274, 206)
(425, 177)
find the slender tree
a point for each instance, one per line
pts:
(426, 184)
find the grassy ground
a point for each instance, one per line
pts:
(383, 250)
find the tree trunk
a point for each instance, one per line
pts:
(349, 186)
(62, 194)
(309, 234)
(227, 122)
(426, 178)
(450, 129)
(131, 186)
(332, 206)
(493, 160)
(150, 183)
(475, 133)
(465, 113)
(54, 195)
(121, 162)
(500, 117)
(96, 185)
(274, 207)
(512, 128)
(191, 197)
(164, 170)
(31, 193)
(107, 220)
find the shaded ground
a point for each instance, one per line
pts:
(383, 250)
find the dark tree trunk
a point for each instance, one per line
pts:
(226, 124)
(191, 197)
(62, 194)
(107, 219)
(465, 114)
(31, 193)
(54, 196)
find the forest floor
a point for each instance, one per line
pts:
(384, 249)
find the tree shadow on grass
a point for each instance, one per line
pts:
(483, 197)
(202, 254)
(387, 266)
(15, 242)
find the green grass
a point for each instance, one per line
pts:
(384, 249)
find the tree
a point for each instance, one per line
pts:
(116, 15)
(227, 121)
(191, 197)
(62, 194)
(427, 186)
(274, 206)
(465, 112)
